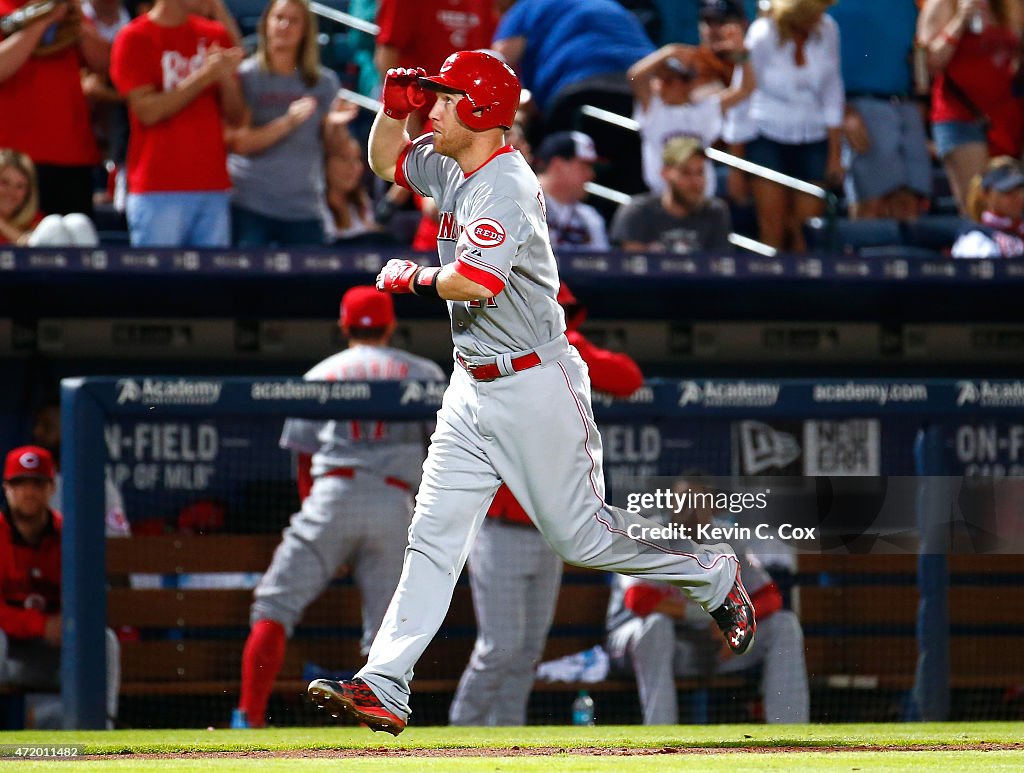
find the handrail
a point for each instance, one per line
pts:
(721, 157)
(345, 18)
(363, 101)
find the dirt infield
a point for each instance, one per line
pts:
(547, 751)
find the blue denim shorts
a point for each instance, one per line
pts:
(805, 161)
(949, 135)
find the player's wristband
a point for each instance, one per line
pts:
(424, 282)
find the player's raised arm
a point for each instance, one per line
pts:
(402, 95)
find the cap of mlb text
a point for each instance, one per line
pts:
(1003, 179)
(568, 145)
(721, 10)
(365, 307)
(28, 462)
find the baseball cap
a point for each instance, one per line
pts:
(1003, 178)
(679, 149)
(28, 462)
(721, 10)
(365, 307)
(568, 145)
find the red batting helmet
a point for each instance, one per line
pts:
(490, 86)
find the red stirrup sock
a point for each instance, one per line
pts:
(261, 662)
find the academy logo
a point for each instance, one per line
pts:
(988, 394)
(424, 392)
(728, 394)
(168, 392)
(485, 232)
(129, 391)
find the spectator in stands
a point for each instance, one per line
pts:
(30, 579)
(277, 152)
(797, 111)
(664, 85)
(177, 71)
(679, 219)
(107, 107)
(573, 54)
(216, 10)
(565, 164)
(21, 222)
(996, 205)
(356, 480)
(716, 69)
(350, 209)
(514, 574)
(888, 167)
(422, 33)
(656, 633)
(973, 54)
(44, 112)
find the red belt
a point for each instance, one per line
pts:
(491, 371)
(350, 472)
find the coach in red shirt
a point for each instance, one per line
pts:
(177, 71)
(30, 620)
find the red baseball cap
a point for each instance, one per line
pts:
(28, 462)
(365, 307)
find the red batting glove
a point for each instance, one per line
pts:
(402, 92)
(397, 276)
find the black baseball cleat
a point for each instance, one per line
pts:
(355, 699)
(736, 617)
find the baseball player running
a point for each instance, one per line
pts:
(518, 406)
(356, 480)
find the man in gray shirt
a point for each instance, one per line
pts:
(680, 219)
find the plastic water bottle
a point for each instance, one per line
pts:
(583, 709)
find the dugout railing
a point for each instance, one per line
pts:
(859, 611)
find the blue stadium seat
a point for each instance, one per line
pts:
(934, 232)
(853, 235)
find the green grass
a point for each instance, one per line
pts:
(118, 743)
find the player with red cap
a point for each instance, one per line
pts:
(356, 480)
(30, 566)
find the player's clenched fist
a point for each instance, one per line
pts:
(404, 276)
(402, 92)
(397, 276)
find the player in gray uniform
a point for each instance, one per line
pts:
(518, 407)
(356, 479)
(656, 633)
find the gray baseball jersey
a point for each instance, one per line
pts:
(533, 428)
(360, 519)
(391, 449)
(493, 224)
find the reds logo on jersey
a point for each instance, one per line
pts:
(485, 232)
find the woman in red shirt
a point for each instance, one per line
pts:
(973, 49)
